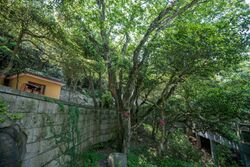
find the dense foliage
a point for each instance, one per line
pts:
(166, 62)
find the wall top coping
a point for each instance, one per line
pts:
(15, 92)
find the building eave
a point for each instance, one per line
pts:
(37, 77)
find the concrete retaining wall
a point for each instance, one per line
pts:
(56, 130)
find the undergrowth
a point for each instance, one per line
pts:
(140, 156)
(146, 157)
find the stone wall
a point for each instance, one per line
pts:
(56, 131)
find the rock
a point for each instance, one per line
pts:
(12, 145)
(117, 160)
(140, 139)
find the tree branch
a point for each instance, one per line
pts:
(36, 35)
(155, 24)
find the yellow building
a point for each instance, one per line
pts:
(35, 83)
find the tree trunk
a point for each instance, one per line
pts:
(161, 148)
(92, 90)
(120, 130)
(100, 82)
(154, 125)
(127, 133)
(124, 127)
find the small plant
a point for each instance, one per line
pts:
(4, 113)
(48, 99)
(60, 105)
(106, 99)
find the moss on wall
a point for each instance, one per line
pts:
(57, 132)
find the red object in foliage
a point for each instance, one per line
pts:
(162, 122)
(126, 114)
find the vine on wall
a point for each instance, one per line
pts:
(74, 133)
(69, 138)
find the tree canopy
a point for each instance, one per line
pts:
(168, 57)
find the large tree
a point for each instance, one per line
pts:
(144, 49)
(132, 38)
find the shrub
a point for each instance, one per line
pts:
(224, 156)
(139, 160)
(179, 147)
(106, 99)
(91, 159)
